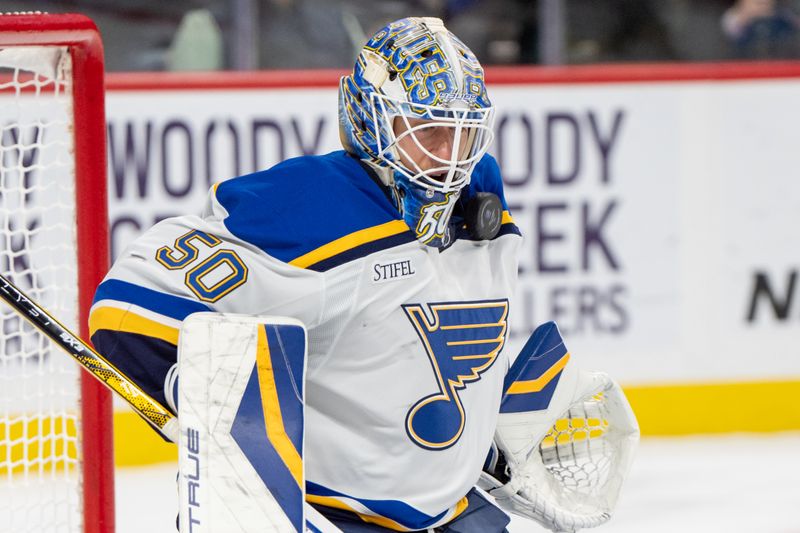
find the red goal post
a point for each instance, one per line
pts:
(53, 209)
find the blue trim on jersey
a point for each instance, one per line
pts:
(508, 228)
(481, 516)
(363, 250)
(395, 510)
(250, 433)
(287, 348)
(158, 302)
(145, 360)
(311, 527)
(303, 204)
(544, 348)
(486, 178)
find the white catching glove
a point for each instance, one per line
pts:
(567, 462)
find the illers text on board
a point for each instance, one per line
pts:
(560, 183)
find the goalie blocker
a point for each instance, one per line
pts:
(566, 436)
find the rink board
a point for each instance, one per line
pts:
(659, 206)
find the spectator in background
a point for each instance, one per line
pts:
(761, 29)
(197, 44)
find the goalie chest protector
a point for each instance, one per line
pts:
(405, 342)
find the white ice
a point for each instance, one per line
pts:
(725, 484)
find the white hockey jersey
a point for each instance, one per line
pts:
(405, 364)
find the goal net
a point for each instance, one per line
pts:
(55, 442)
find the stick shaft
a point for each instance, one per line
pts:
(89, 359)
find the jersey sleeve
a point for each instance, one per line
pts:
(138, 308)
(179, 267)
(261, 247)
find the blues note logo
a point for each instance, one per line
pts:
(462, 340)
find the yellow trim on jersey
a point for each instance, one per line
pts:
(506, 218)
(115, 319)
(348, 242)
(461, 506)
(330, 501)
(467, 343)
(276, 433)
(468, 326)
(535, 385)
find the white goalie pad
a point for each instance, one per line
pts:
(240, 407)
(568, 437)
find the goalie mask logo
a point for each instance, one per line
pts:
(427, 212)
(433, 219)
(462, 341)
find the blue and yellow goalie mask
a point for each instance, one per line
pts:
(416, 109)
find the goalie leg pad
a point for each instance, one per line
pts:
(241, 419)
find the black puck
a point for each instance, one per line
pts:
(483, 216)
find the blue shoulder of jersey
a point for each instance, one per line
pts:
(486, 178)
(314, 212)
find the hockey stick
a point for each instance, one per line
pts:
(90, 360)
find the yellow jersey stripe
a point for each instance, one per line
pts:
(506, 218)
(115, 319)
(535, 385)
(276, 433)
(479, 341)
(468, 357)
(348, 242)
(470, 326)
(329, 501)
(461, 506)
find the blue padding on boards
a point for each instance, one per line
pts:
(544, 348)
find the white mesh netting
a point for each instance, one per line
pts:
(39, 392)
(577, 453)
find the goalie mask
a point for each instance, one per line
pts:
(415, 108)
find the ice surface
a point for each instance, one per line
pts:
(741, 483)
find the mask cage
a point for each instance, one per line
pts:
(471, 137)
